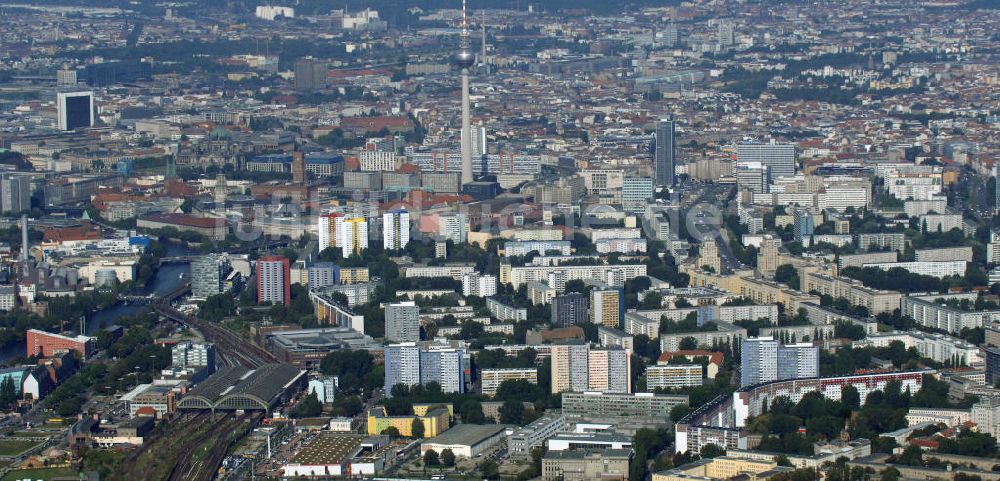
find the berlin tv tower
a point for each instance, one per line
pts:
(464, 59)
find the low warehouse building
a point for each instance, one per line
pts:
(466, 440)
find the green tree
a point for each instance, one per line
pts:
(850, 397)
(390, 431)
(711, 450)
(308, 407)
(512, 412)
(417, 428)
(489, 469)
(431, 458)
(688, 343)
(448, 457)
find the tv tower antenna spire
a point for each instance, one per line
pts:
(465, 59)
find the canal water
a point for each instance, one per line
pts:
(167, 278)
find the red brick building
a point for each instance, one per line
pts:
(47, 344)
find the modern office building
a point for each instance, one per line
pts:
(778, 158)
(274, 280)
(637, 192)
(764, 359)
(395, 229)
(586, 464)
(992, 355)
(352, 235)
(804, 225)
(46, 344)
(402, 322)
(208, 275)
(15, 192)
(410, 364)
(569, 309)
(75, 109)
(626, 412)
(665, 164)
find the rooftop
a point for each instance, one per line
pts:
(467, 434)
(329, 449)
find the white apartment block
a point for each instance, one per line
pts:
(490, 379)
(480, 285)
(614, 233)
(455, 271)
(939, 347)
(542, 247)
(624, 246)
(640, 325)
(377, 160)
(944, 254)
(518, 276)
(672, 376)
(928, 312)
(950, 417)
(933, 269)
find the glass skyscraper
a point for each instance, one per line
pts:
(666, 152)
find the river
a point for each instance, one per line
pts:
(167, 278)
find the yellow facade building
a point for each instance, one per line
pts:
(436, 419)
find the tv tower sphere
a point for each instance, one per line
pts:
(464, 58)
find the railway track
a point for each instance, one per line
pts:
(196, 467)
(233, 349)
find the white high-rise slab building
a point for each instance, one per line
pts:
(352, 235)
(395, 229)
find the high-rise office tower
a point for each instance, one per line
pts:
(274, 280)
(465, 59)
(778, 158)
(402, 322)
(352, 235)
(15, 192)
(569, 309)
(570, 367)
(804, 224)
(327, 230)
(768, 256)
(764, 359)
(666, 152)
(670, 36)
(310, 74)
(208, 275)
(992, 356)
(996, 193)
(609, 370)
(395, 229)
(189, 354)
(607, 307)
(727, 33)
(76, 110)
